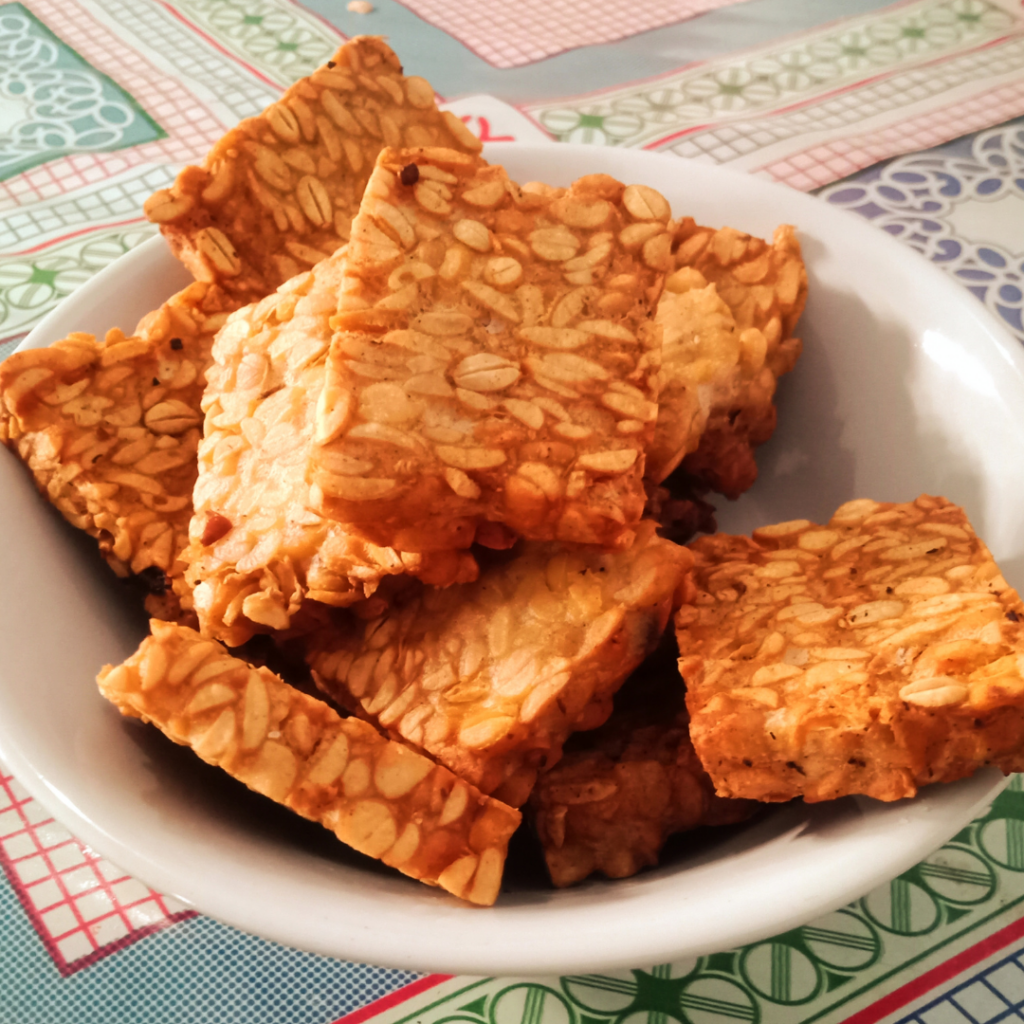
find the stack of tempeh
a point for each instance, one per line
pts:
(411, 417)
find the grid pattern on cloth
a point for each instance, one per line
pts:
(275, 37)
(152, 45)
(48, 220)
(67, 175)
(8, 346)
(994, 996)
(508, 36)
(188, 122)
(839, 157)
(192, 972)
(888, 99)
(31, 284)
(852, 56)
(81, 905)
(192, 126)
(55, 102)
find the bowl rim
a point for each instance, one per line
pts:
(487, 950)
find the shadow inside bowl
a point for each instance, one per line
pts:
(184, 780)
(808, 473)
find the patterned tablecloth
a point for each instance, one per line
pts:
(903, 113)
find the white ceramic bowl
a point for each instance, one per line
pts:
(906, 385)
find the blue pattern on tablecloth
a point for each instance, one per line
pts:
(916, 199)
(169, 978)
(994, 996)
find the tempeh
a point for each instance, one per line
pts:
(377, 796)
(258, 550)
(110, 430)
(765, 286)
(491, 677)
(496, 359)
(873, 655)
(621, 791)
(278, 192)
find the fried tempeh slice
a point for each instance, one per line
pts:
(495, 360)
(377, 796)
(110, 429)
(706, 362)
(620, 791)
(278, 192)
(873, 655)
(765, 287)
(491, 677)
(258, 551)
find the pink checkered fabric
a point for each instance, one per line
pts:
(510, 35)
(192, 127)
(82, 906)
(829, 161)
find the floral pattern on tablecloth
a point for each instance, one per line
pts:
(54, 103)
(962, 213)
(86, 942)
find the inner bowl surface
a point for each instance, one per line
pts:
(906, 385)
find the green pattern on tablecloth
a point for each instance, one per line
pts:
(787, 73)
(31, 285)
(840, 960)
(277, 38)
(53, 103)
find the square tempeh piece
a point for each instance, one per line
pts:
(278, 192)
(620, 791)
(496, 359)
(110, 431)
(377, 796)
(873, 655)
(765, 286)
(258, 551)
(491, 677)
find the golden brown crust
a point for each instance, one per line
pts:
(708, 371)
(724, 457)
(491, 677)
(278, 192)
(763, 283)
(874, 655)
(495, 359)
(765, 287)
(258, 552)
(613, 800)
(377, 796)
(110, 429)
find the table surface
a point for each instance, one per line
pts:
(907, 114)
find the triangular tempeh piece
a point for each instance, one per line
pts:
(110, 430)
(278, 193)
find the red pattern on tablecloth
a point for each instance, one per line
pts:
(821, 164)
(83, 907)
(191, 126)
(510, 35)
(394, 999)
